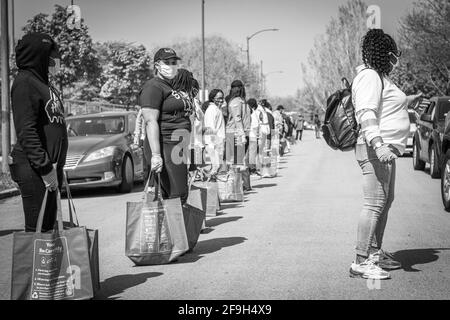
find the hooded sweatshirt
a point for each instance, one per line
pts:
(37, 109)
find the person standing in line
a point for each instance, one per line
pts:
(235, 133)
(139, 139)
(255, 132)
(299, 127)
(185, 84)
(381, 111)
(271, 120)
(38, 157)
(278, 135)
(317, 126)
(215, 130)
(167, 116)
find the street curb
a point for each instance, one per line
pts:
(9, 193)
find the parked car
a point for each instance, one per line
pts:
(101, 151)
(427, 145)
(412, 130)
(445, 177)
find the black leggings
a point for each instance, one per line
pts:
(32, 190)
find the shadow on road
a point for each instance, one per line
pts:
(218, 221)
(230, 205)
(118, 284)
(209, 246)
(409, 258)
(266, 185)
(7, 232)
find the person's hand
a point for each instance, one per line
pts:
(385, 154)
(51, 179)
(156, 163)
(413, 98)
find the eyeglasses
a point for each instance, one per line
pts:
(398, 54)
(218, 99)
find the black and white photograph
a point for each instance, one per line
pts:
(225, 155)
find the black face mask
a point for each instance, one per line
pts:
(33, 53)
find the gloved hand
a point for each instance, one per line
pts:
(385, 154)
(156, 163)
(51, 179)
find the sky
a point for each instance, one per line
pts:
(156, 23)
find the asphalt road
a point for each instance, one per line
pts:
(292, 238)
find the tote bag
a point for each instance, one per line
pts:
(155, 230)
(53, 265)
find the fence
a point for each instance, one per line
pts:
(78, 107)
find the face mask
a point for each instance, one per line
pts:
(167, 71)
(394, 60)
(54, 66)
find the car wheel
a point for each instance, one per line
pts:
(127, 176)
(417, 163)
(445, 183)
(434, 164)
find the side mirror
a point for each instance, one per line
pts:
(426, 118)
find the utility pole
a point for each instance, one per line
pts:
(262, 80)
(12, 42)
(4, 47)
(203, 52)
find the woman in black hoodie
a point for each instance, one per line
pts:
(39, 155)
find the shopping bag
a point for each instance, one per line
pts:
(212, 195)
(155, 230)
(230, 186)
(92, 239)
(53, 265)
(197, 198)
(193, 221)
(246, 179)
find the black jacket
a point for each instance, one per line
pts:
(37, 108)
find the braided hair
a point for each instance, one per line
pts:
(184, 81)
(376, 47)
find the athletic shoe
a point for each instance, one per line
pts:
(368, 270)
(385, 260)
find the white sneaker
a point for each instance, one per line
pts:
(368, 270)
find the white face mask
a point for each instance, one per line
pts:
(55, 66)
(397, 61)
(167, 71)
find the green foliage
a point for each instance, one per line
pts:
(224, 64)
(79, 61)
(425, 42)
(336, 54)
(126, 68)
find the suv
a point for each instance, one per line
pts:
(427, 144)
(445, 177)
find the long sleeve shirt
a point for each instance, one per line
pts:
(215, 125)
(380, 109)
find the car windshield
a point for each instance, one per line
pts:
(95, 126)
(444, 108)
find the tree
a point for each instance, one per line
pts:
(425, 43)
(79, 62)
(126, 68)
(335, 54)
(224, 64)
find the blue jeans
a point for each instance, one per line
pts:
(378, 189)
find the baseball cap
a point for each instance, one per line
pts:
(165, 54)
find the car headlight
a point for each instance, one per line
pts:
(99, 154)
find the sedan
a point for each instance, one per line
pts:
(101, 151)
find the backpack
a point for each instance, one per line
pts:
(340, 129)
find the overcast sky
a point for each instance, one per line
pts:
(158, 22)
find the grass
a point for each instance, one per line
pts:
(6, 182)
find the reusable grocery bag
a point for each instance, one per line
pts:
(193, 221)
(92, 240)
(155, 230)
(269, 166)
(198, 187)
(53, 265)
(230, 186)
